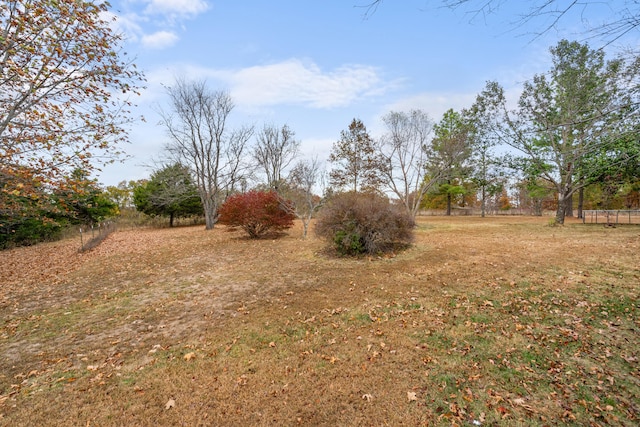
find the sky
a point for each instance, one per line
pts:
(315, 65)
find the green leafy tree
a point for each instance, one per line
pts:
(486, 170)
(619, 166)
(170, 193)
(355, 162)
(122, 194)
(535, 194)
(44, 214)
(83, 201)
(564, 117)
(452, 148)
(27, 215)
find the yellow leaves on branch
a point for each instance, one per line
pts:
(58, 60)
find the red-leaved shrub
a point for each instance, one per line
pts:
(257, 213)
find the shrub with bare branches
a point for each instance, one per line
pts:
(358, 223)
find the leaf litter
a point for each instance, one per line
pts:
(475, 337)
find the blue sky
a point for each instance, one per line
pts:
(317, 64)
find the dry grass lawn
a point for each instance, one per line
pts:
(495, 321)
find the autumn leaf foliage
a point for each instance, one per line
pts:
(64, 102)
(257, 213)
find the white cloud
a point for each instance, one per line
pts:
(433, 103)
(159, 40)
(316, 147)
(177, 7)
(298, 83)
(292, 82)
(138, 25)
(126, 24)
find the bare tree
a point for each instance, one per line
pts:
(405, 152)
(274, 151)
(197, 126)
(304, 177)
(625, 15)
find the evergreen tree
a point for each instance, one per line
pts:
(170, 192)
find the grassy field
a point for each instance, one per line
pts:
(495, 321)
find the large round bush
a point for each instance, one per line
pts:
(257, 213)
(357, 223)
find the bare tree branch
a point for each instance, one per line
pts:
(624, 18)
(197, 126)
(275, 150)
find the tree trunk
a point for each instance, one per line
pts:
(448, 204)
(580, 202)
(537, 207)
(562, 209)
(210, 212)
(171, 219)
(483, 203)
(568, 210)
(209, 221)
